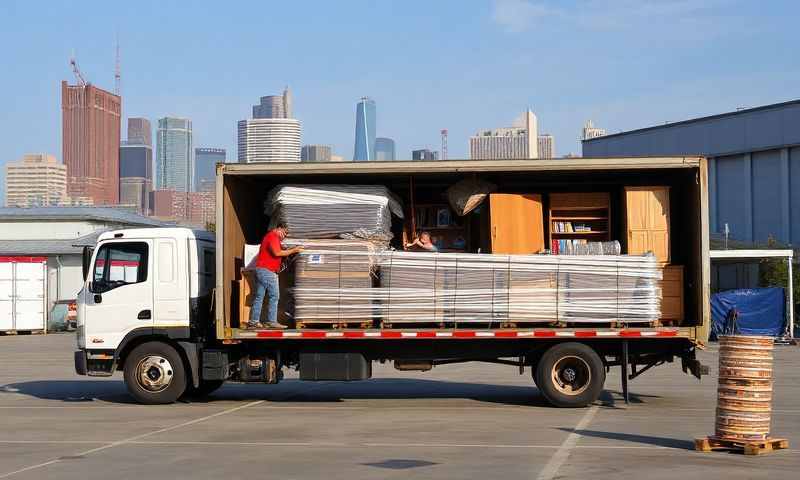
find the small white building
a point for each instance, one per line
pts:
(57, 235)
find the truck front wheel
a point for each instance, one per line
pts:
(154, 373)
(570, 375)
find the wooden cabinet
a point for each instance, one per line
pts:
(647, 221)
(672, 294)
(516, 223)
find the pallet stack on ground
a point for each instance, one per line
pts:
(334, 211)
(333, 284)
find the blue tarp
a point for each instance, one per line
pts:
(761, 311)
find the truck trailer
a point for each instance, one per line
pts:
(165, 305)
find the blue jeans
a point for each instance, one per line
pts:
(266, 282)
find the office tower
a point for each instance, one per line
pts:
(192, 208)
(205, 163)
(315, 153)
(174, 155)
(269, 140)
(590, 131)
(424, 154)
(274, 106)
(384, 149)
(547, 146)
(90, 142)
(135, 173)
(507, 143)
(140, 132)
(365, 130)
(36, 180)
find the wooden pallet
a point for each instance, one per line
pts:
(748, 447)
(22, 332)
(334, 325)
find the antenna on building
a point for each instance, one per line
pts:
(117, 71)
(444, 144)
(73, 62)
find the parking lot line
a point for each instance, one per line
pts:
(550, 470)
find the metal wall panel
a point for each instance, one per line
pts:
(731, 202)
(767, 195)
(794, 192)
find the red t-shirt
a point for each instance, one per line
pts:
(271, 243)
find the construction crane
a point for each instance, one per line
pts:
(444, 144)
(77, 71)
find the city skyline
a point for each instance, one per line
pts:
(209, 84)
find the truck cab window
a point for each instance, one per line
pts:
(119, 264)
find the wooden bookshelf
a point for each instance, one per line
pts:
(446, 228)
(578, 216)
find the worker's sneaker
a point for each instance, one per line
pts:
(275, 325)
(256, 326)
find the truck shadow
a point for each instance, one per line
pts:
(665, 442)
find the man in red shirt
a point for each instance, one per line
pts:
(268, 264)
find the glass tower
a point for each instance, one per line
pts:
(384, 149)
(174, 155)
(365, 130)
(205, 161)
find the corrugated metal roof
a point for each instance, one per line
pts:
(99, 214)
(49, 247)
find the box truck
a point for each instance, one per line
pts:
(167, 307)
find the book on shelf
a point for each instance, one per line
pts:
(571, 227)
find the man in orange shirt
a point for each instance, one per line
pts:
(268, 264)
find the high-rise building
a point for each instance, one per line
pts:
(174, 155)
(193, 208)
(365, 130)
(205, 162)
(547, 146)
(135, 174)
(424, 154)
(316, 153)
(140, 132)
(36, 180)
(590, 131)
(274, 106)
(507, 143)
(269, 140)
(384, 149)
(90, 119)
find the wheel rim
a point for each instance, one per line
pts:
(571, 375)
(154, 373)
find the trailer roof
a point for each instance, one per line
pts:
(443, 166)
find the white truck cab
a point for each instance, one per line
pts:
(141, 283)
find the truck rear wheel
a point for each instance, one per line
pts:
(570, 375)
(155, 374)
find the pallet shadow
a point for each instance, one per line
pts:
(665, 442)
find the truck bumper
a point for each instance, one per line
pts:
(80, 362)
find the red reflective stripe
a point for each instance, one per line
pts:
(313, 334)
(585, 333)
(270, 334)
(668, 333)
(428, 334)
(464, 333)
(352, 334)
(630, 333)
(506, 334)
(385, 334)
(544, 333)
(23, 259)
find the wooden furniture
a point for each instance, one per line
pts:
(448, 231)
(581, 217)
(672, 295)
(647, 221)
(516, 223)
(245, 282)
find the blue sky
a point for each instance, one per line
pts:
(462, 65)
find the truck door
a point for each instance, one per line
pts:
(120, 292)
(171, 284)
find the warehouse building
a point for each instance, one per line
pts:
(41, 249)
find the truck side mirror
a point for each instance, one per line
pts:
(87, 259)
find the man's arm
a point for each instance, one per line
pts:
(277, 251)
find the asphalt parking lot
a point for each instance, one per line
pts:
(459, 421)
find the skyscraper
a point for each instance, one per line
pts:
(316, 153)
(140, 132)
(424, 155)
(547, 146)
(90, 142)
(274, 106)
(174, 155)
(135, 175)
(205, 161)
(36, 180)
(272, 135)
(507, 143)
(384, 149)
(590, 131)
(365, 130)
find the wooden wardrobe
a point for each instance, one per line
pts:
(516, 223)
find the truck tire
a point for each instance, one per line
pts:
(205, 388)
(570, 375)
(155, 374)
